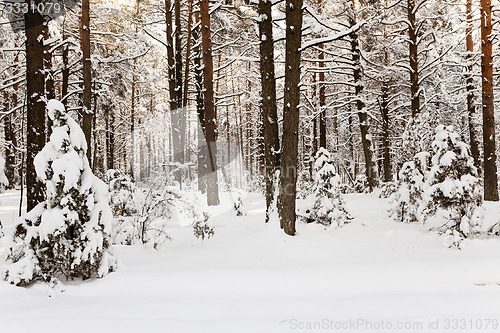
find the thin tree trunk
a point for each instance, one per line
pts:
(10, 155)
(289, 158)
(208, 97)
(322, 99)
(490, 157)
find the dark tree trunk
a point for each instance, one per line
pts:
(208, 98)
(289, 157)
(87, 76)
(470, 86)
(35, 90)
(386, 141)
(10, 155)
(65, 76)
(361, 107)
(413, 51)
(490, 157)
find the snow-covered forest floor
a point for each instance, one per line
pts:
(372, 274)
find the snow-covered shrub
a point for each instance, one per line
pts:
(328, 203)
(453, 186)
(123, 206)
(4, 182)
(405, 202)
(361, 184)
(388, 189)
(441, 188)
(67, 235)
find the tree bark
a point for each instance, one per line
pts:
(35, 90)
(208, 98)
(289, 157)
(87, 75)
(490, 157)
(470, 86)
(386, 141)
(413, 51)
(361, 107)
(200, 109)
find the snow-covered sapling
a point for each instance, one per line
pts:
(405, 202)
(123, 205)
(453, 186)
(67, 235)
(328, 203)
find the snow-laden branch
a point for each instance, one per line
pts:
(332, 37)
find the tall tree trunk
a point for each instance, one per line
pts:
(470, 86)
(386, 141)
(208, 98)
(413, 51)
(87, 76)
(490, 157)
(200, 109)
(360, 105)
(35, 90)
(289, 157)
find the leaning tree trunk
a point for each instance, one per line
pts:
(289, 157)
(490, 157)
(208, 98)
(35, 90)
(269, 107)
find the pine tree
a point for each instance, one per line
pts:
(68, 234)
(453, 185)
(328, 206)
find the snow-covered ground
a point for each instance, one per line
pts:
(370, 275)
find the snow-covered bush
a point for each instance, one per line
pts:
(417, 137)
(405, 202)
(328, 203)
(453, 186)
(361, 184)
(4, 182)
(67, 235)
(123, 205)
(388, 189)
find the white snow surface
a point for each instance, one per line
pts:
(251, 277)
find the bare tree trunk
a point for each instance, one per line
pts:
(200, 109)
(413, 50)
(87, 76)
(35, 90)
(470, 86)
(490, 157)
(386, 141)
(322, 99)
(289, 157)
(208, 97)
(361, 107)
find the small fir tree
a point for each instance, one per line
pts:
(328, 205)
(453, 186)
(67, 235)
(4, 182)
